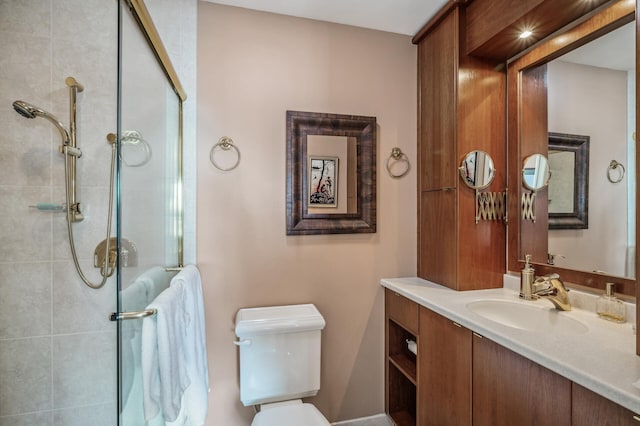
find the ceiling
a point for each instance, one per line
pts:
(409, 16)
(396, 16)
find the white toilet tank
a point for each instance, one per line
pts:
(279, 352)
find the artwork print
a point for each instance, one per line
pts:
(323, 181)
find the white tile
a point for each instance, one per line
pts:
(84, 369)
(26, 232)
(25, 300)
(25, 375)
(94, 415)
(93, 19)
(31, 17)
(78, 308)
(42, 418)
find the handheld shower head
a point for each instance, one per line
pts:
(27, 110)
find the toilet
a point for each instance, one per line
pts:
(280, 363)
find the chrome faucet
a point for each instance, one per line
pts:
(550, 287)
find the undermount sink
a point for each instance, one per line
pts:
(528, 317)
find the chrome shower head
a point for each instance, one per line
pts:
(27, 110)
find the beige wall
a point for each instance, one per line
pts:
(252, 67)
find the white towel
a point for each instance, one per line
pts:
(164, 368)
(155, 279)
(189, 285)
(134, 298)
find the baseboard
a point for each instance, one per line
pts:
(377, 420)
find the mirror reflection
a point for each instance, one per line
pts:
(569, 185)
(535, 172)
(591, 91)
(477, 170)
(332, 174)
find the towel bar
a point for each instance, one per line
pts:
(118, 316)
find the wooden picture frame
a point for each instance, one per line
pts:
(361, 129)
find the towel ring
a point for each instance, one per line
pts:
(614, 166)
(225, 143)
(134, 138)
(398, 156)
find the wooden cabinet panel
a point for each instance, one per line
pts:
(402, 310)
(401, 324)
(444, 359)
(437, 66)
(461, 109)
(509, 389)
(437, 261)
(589, 408)
(493, 26)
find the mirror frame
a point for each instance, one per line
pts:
(462, 170)
(534, 157)
(579, 146)
(364, 130)
(604, 20)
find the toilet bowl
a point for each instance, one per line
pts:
(280, 363)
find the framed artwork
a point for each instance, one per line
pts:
(347, 144)
(323, 181)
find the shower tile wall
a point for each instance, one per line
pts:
(57, 348)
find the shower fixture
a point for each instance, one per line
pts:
(27, 110)
(71, 153)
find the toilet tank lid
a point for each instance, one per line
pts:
(278, 319)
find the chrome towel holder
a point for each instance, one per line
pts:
(614, 166)
(225, 143)
(398, 156)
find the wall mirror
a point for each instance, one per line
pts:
(569, 185)
(535, 172)
(580, 82)
(477, 170)
(331, 173)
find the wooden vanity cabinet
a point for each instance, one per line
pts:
(444, 359)
(461, 108)
(509, 389)
(460, 378)
(401, 324)
(589, 408)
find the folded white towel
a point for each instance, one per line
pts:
(156, 280)
(189, 284)
(164, 368)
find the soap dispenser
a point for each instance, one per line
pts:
(609, 307)
(527, 277)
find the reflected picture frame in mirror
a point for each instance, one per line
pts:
(526, 75)
(320, 135)
(572, 186)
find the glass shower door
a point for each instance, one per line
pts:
(149, 206)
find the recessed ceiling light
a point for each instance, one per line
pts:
(526, 34)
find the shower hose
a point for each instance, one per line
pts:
(106, 269)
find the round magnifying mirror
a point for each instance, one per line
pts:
(536, 172)
(477, 170)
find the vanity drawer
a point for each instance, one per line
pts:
(401, 310)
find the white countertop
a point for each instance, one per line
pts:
(603, 359)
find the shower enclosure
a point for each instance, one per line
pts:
(62, 360)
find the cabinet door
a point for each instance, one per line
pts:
(444, 372)
(589, 408)
(437, 254)
(509, 389)
(437, 79)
